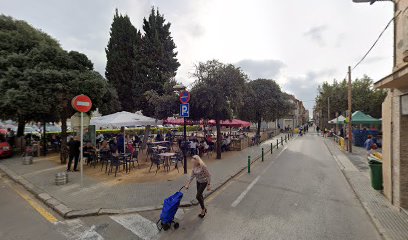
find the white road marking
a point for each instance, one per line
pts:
(245, 192)
(75, 229)
(242, 195)
(140, 226)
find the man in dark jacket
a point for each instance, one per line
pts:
(74, 151)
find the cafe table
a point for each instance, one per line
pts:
(166, 157)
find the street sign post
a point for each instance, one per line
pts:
(184, 97)
(82, 104)
(185, 113)
(185, 110)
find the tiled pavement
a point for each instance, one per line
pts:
(390, 222)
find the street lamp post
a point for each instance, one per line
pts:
(179, 88)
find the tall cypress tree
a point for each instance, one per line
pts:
(123, 58)
(159, 57)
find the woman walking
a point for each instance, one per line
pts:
(203, 177)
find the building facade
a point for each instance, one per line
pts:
(395, 114)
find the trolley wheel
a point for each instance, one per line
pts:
(176, 225)
(166, 227)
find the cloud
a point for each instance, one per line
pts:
(316, 34)
(374, 59)
(305, 87)
(268, 69)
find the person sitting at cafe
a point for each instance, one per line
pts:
(89, 152)
(104, 146)
(159, 137)
(113, 146)
(169, 136)
(193, 147)
(210, 142)
(226, 143)
(192, 137)
(203, 147)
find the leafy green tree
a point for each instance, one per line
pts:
(264, 101)
(217, 93)
(364, 98)
(159, 57)
(123, 66)
(23, 51)
(38, 79)
(165, 105)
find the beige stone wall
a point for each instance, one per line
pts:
(401, 34)
(402, 152)
(386, 147)
(396, 147)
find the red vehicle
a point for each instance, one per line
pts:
(5, 149)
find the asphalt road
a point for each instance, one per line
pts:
(301, 194)
(19, 218)
(298, 194)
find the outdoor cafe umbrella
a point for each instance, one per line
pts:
(339, 119)
(123, 119)
(177, 121)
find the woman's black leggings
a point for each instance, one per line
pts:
(200, 190)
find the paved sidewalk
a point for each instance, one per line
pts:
(95, 197)
(391, 223)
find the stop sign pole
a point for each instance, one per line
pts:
(82, 104)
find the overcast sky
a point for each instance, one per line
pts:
(298, 43)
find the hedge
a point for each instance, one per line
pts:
(137, 131)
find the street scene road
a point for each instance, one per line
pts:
(203, 120)
(298, 193)
(21, 214)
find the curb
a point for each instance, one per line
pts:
(68, 213)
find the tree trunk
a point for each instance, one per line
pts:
(21, 126)
(64, 148)
(44, 138)
(218, 124)
(258, 131)
(146, 136)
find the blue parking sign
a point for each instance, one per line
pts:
(185, 110)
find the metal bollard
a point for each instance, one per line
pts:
(282, 141)
(262, 154)
(271, 148)
(61, 178)
(249, 164)
(277, 143)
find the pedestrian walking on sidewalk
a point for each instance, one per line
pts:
(203, 177)
(74, 151)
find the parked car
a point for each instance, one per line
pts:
(5, 149)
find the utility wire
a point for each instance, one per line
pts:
(378, 38)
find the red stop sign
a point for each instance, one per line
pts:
(81, 103)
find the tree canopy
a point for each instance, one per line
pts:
(264, 101)
(217, 93)
(38, 78)
(364, 98)
(160, 62)
(123, 66)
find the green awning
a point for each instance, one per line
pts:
(362, 118)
